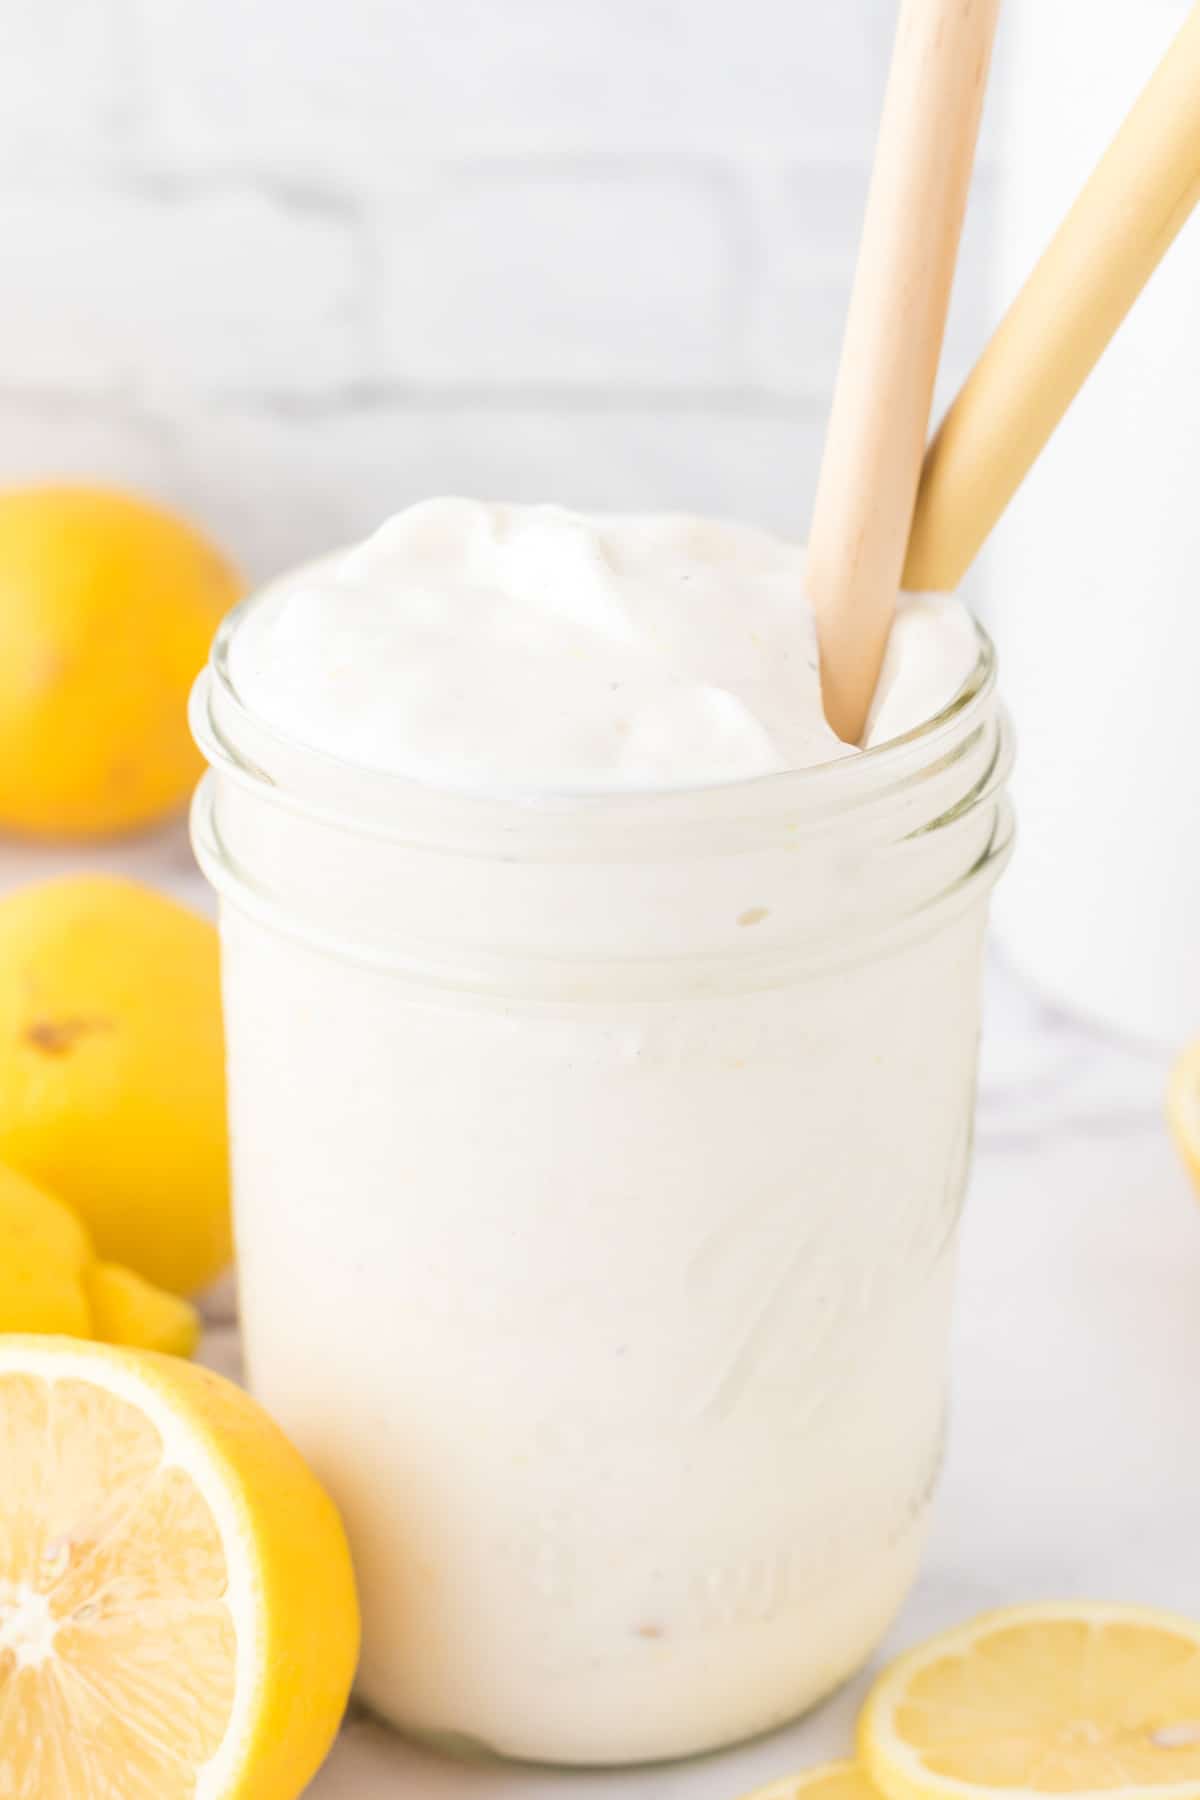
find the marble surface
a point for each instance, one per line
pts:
(1074, 1462)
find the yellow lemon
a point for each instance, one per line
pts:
(1080, 1699)
(50, 1280)
(108, 605)
(178, 1617)
(44, 1253)
(112, 1091)
(830, 1781)
(1183, 1108)
(126, 1309)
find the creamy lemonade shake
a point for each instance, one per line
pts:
(602, 1042)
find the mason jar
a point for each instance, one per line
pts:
(598, 1166)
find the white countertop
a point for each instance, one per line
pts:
(1074, 1463)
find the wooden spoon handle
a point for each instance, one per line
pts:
(893, 342)
(1063, 320)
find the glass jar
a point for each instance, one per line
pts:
(597, 1171)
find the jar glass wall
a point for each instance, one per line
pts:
(597, 1171)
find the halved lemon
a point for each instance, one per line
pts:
(1183, 1108)
(829, 1781)
(1062, 1699)
(178, 1618)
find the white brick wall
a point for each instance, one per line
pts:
(517, 271)
(167, 287)
(291, 264)
(349, 84)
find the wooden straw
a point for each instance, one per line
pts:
(893, 341)
(1108, 247)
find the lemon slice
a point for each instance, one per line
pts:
(1183, 1108)
(1068, 1699)
(831, 1781)
(177, 1609)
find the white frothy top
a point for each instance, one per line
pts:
(526, 649)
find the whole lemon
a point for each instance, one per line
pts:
(112, 1083)
(1183, 1109)
(108, 605)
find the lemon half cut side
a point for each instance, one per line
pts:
(178, 1618)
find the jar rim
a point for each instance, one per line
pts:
(239, 741)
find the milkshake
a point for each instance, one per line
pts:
(602, 1039)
